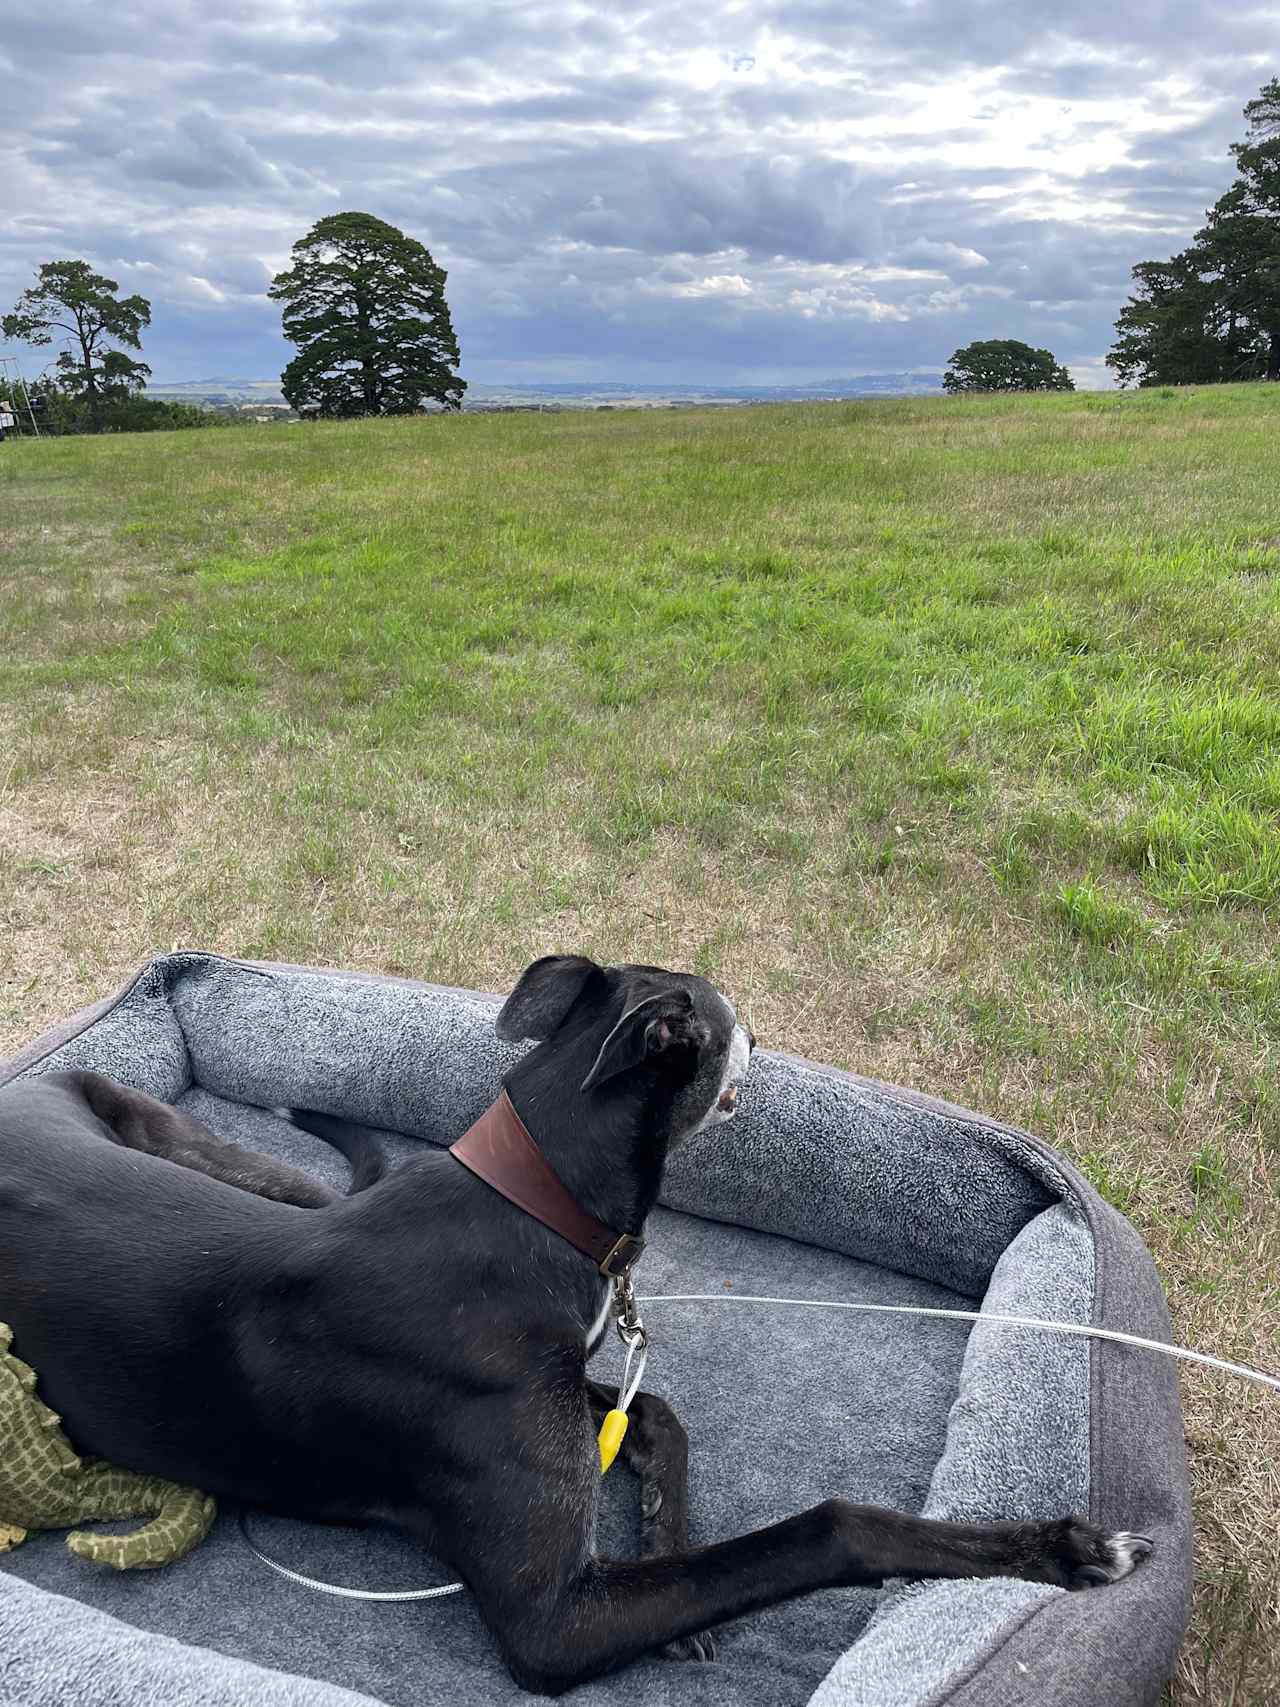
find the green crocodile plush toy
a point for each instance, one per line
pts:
(45, 1485)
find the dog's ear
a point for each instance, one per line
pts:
(540, 1002)
(658, 1023)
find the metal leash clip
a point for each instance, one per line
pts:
(631, 1330)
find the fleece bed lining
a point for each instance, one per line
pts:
(824, 1186)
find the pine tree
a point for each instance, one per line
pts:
(365, 305)
(70, 297)
(1212, 313)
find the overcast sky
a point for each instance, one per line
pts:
(768, 191)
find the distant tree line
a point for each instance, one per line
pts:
(54, 409)
(1212, 312)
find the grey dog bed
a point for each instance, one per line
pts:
(825, 1186)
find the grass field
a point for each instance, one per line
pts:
(944, 734)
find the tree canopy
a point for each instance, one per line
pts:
(70, 297)
(1212, 313)
(366, 307)
(1005, 364)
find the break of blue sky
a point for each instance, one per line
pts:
(738, 191)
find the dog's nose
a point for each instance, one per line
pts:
(751, 1038)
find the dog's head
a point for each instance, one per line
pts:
(669, 1037)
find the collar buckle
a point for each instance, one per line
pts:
(618, 1262)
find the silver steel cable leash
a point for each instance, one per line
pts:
(1083, 1330)
(334, 1588)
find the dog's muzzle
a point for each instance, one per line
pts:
(737, 1067)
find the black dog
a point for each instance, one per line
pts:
(417, 1353)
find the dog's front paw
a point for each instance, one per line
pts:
(1080, 1555)
(699, 1647)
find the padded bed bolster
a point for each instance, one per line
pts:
(57, 1653)
(134, 1036)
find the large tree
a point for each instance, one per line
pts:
(365, 306)
(1212, 313)
(70, 297)
(1005, 364)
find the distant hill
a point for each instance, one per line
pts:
(219, 391)
(605, 394)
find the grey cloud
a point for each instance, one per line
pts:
(1004, 33)
(196, 153)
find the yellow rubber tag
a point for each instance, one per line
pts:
(609, 1439)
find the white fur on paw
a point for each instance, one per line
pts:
(1127, 1552)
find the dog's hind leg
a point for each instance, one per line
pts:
(141, 1122)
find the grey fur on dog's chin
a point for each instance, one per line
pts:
(737, 1064)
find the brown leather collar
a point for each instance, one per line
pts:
(499, 1150)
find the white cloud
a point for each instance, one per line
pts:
(716, 284)
(952, 256)
(834, 302)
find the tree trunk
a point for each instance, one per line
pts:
(368, 369)
(1273, 356)
(90, 383)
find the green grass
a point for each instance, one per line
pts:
(945, 734)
